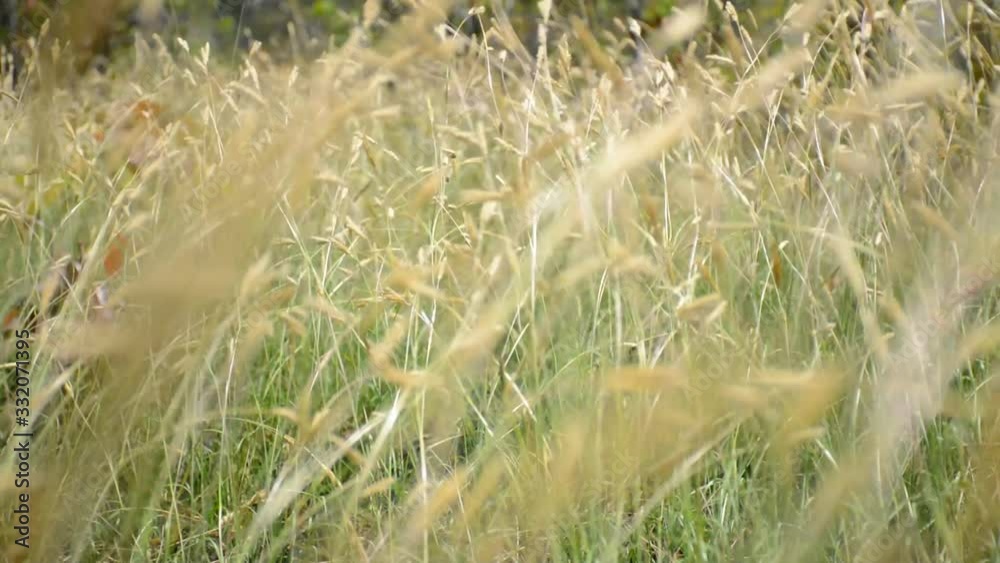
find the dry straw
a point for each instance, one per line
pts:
(406, 302)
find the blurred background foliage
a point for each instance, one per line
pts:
(103, 27)
(268, 20)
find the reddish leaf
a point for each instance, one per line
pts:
(777, 268)
(10, 317)
(115, 257)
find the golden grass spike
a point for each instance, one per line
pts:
(378, 487)
(442, 499)
(983, 341)
(700, 308)
(474, 197)
(804, 16)
(409, 379)
(771, 77)
(641, 379)
(850, 266)
(601, 60)
(936, 220)
(916, 87)
(370, 12)
(682, 24)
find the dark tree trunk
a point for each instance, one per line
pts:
(9, 25)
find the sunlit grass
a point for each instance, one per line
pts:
(424, 301)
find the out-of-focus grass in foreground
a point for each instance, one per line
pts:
(415, 302)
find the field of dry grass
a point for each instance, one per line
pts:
(731, 300)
